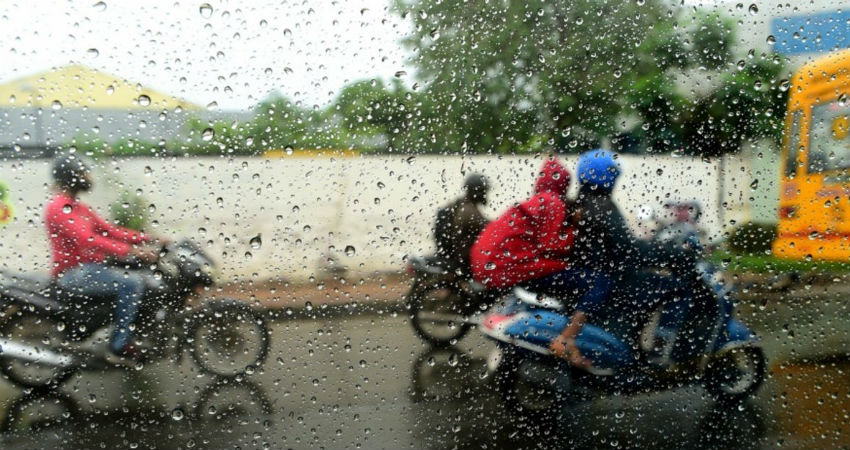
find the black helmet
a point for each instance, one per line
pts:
(476, 186)
(70, 172)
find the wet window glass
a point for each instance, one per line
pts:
(793, 137)
(830, 137)
(424, 224)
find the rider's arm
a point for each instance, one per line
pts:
(118, 233)
(628, 247)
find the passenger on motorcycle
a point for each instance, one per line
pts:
(459, 223)
(606, 244)
(81, 243)
(530, 244)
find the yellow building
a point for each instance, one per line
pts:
(51, 108)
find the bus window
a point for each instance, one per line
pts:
(829, 140)
(793, 145)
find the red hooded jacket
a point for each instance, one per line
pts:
(529, 240)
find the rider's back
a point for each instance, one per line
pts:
(456, 229)
(78, 235)
(605, 241)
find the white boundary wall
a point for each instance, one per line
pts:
(308, 209)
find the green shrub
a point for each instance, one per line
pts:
(752, 238)
(130, 211)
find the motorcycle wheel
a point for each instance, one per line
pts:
(436, 312)
(227, 399)
(735, 374)
(228, 338)
(527, 385)
(41, 334)
(39, 411)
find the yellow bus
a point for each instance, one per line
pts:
(814, 191)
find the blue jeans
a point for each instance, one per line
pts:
(591, 287)
(101, 280)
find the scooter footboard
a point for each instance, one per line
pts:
(539, 327)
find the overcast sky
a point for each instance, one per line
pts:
(235, 55)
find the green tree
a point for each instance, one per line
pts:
(749, 104)
(512, 76)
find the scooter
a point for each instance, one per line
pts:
(710, 347)
(47, 334)
(444, 305)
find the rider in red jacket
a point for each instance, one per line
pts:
(82, 243)
(530, 244)
(529, 240)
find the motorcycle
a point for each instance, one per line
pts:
(710, 346)
(443, 303)
(48, 334)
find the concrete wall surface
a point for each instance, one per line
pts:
(365, 213)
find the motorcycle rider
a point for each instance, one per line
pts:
(605, 243)
(459, 223)
(530, 244)
(81, 243)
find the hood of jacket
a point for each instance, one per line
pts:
(554, 177)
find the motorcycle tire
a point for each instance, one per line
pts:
(32, 329)
(39, 411)
(736, 374)
(217, 345)
(419, 301)
(537, 401)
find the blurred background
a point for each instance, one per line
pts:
(307, 147)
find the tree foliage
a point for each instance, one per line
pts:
(503, 76)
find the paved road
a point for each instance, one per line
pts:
(368, 382)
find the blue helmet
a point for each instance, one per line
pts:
(598, 168)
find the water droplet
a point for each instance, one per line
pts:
(263, 23)
(256, 242)
(490, 266)
(400, 73)
(110, 90)
(350, 250)
(208, 134)
(754, 184)
(99, 6)
(659, 172)
(212, 106)
(66, 209)
(206, 10)
(177, 414)
(770, 40)
(93, 52)
(288, 150)
(56, 105)
(754, 9)
(144, 100)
